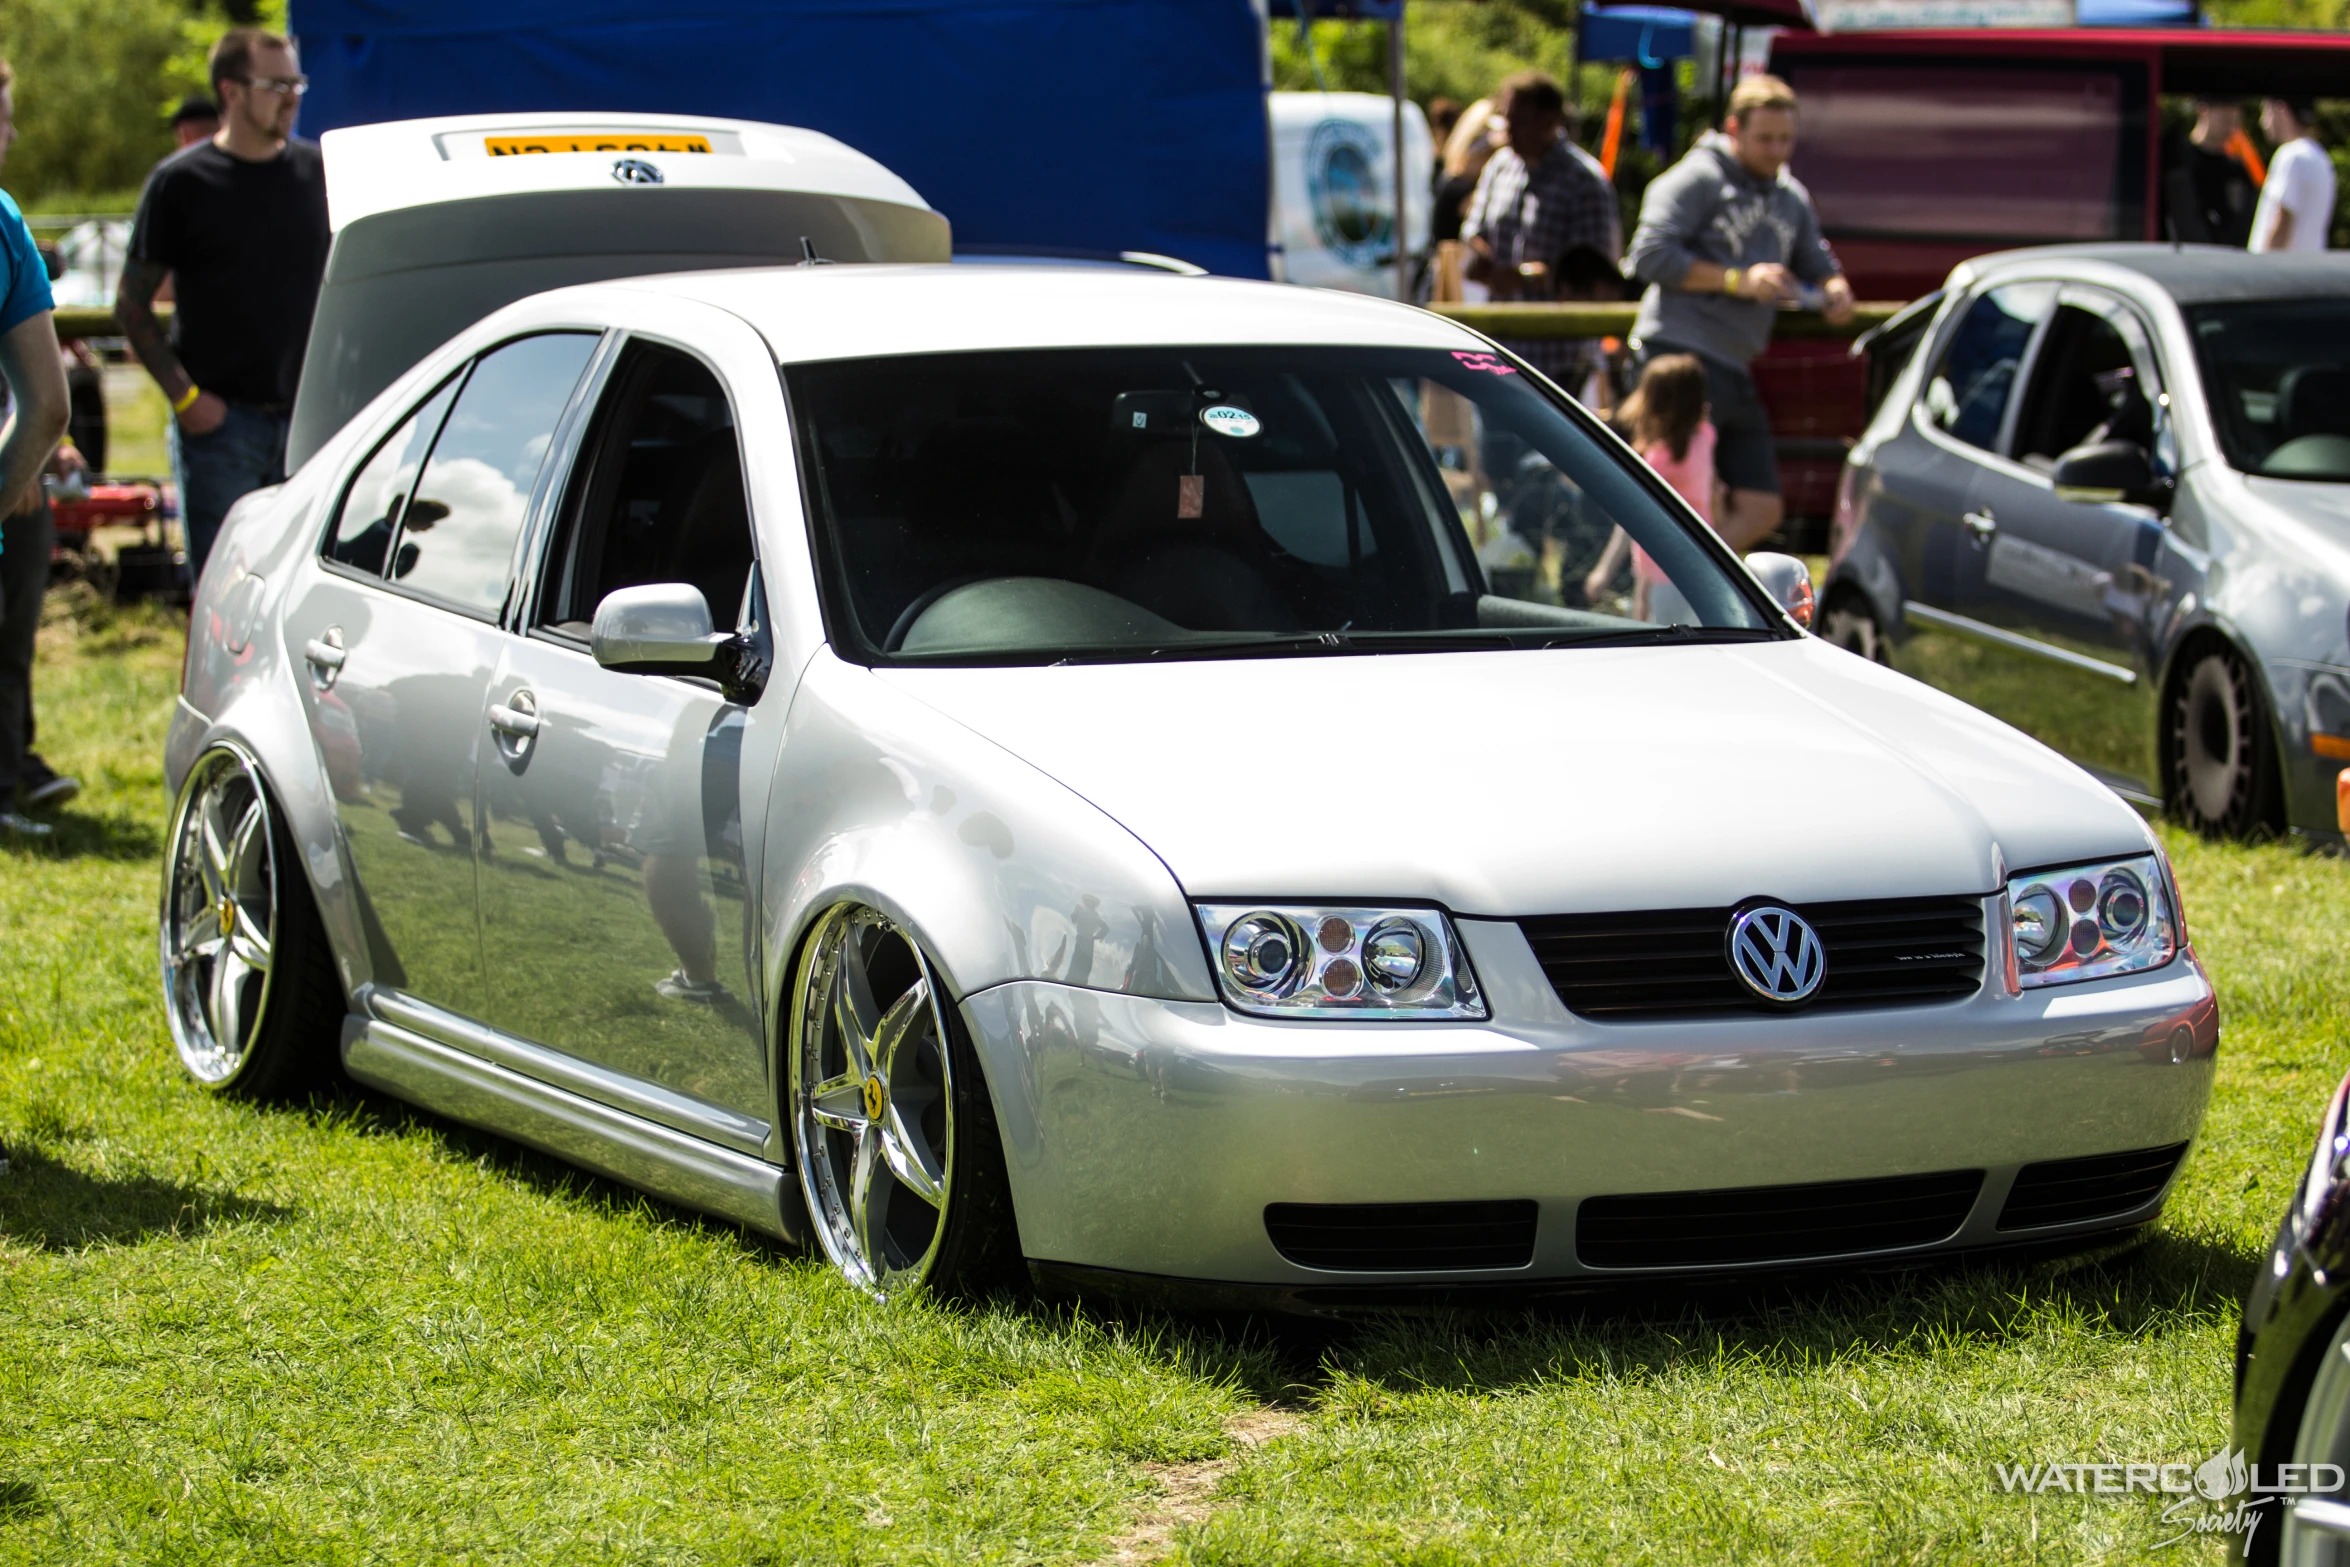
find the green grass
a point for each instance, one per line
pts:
(359, 1333)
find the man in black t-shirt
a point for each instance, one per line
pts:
(239, 224)
(2208, 193)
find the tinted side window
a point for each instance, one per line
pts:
(371, 507)
(457, 536)
(658, 497)
(2084, 387)
(1968, 393)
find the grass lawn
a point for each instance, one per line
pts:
(363, 1334)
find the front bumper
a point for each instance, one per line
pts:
(1148, 1136)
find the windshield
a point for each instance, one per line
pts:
(1039, 505)
(2277, 374)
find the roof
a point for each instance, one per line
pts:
(2201, 274)
(2244, 62)
(850, 312)
(413, 163)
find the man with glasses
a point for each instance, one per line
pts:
(239, 224)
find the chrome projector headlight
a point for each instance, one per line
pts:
(1292, 960)
(2091, 921)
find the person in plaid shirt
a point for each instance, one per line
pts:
(1540, 197)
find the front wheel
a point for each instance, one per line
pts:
(896, 1142)
(248, 981)
(2222, 761)
(2314, 1530)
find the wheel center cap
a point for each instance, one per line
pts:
(876, 1098)
(228, 916)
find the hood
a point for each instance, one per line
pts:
(1518, 783)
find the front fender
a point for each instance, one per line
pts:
(999, 871)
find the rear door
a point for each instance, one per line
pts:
(1927, 477)
(397, 636)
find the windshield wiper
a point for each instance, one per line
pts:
(1303, 644)
(1634, 636)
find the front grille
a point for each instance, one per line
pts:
(1887, 952)
(2066, 1191)
(1397, 1237)
(1773, 1223)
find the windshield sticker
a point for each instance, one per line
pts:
(1225, 419)
(1482, 361)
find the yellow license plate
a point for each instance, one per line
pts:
(507, 146)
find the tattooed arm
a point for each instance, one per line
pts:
(134, 307)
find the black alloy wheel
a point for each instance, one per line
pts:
(1850, 624)
(2222, 771)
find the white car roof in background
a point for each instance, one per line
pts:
(851, 312)
(415, 163)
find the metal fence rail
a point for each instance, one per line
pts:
(1587, 321)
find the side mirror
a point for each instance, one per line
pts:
(1788, 582)
(662, 628)
(2108, 471)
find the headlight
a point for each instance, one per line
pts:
(2090, 921)
(1287, 960)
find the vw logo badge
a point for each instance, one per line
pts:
(636, 171)
(1777, 954)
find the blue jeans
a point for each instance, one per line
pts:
(246, 453)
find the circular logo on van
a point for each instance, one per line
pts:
(1225, 419)
(636, 171)
(1343, 192)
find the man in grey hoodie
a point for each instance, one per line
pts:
(1726, 236)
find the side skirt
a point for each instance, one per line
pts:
(651, 1157)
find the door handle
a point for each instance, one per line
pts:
(519, 721)
(1982, 525)
(324, 654)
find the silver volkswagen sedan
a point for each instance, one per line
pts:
(1009, 772)
(2107, 498)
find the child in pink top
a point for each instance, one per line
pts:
(1673, 435)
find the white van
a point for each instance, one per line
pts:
(1334, 188)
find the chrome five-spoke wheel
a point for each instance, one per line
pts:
(872, 1086)
(220, 916)
(248, 980)
(892, 1128)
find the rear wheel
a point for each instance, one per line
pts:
(2222, 760)
(248, 980)
(899, 1157)
(1850, 624)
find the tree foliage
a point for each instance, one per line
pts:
(95, 84)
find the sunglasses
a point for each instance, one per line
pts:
(284, 86)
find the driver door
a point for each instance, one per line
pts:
(2078, 585)
(616, 922)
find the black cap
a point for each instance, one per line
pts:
(194, 107)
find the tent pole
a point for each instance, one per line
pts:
(1403, 259)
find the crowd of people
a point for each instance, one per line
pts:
(232, 230)
(1727, 237)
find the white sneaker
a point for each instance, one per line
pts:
(54, 790)
(16, 825)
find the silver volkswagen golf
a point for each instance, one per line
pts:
(1007, 772)
(2107, 498)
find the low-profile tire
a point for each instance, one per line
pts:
(2222, 759)
(248, 980)
(1850, 624)
(2319, 1435)
(895, 1139)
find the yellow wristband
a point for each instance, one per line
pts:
(1730, 282)
(188, 399)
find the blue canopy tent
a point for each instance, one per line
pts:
(1091, 126)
